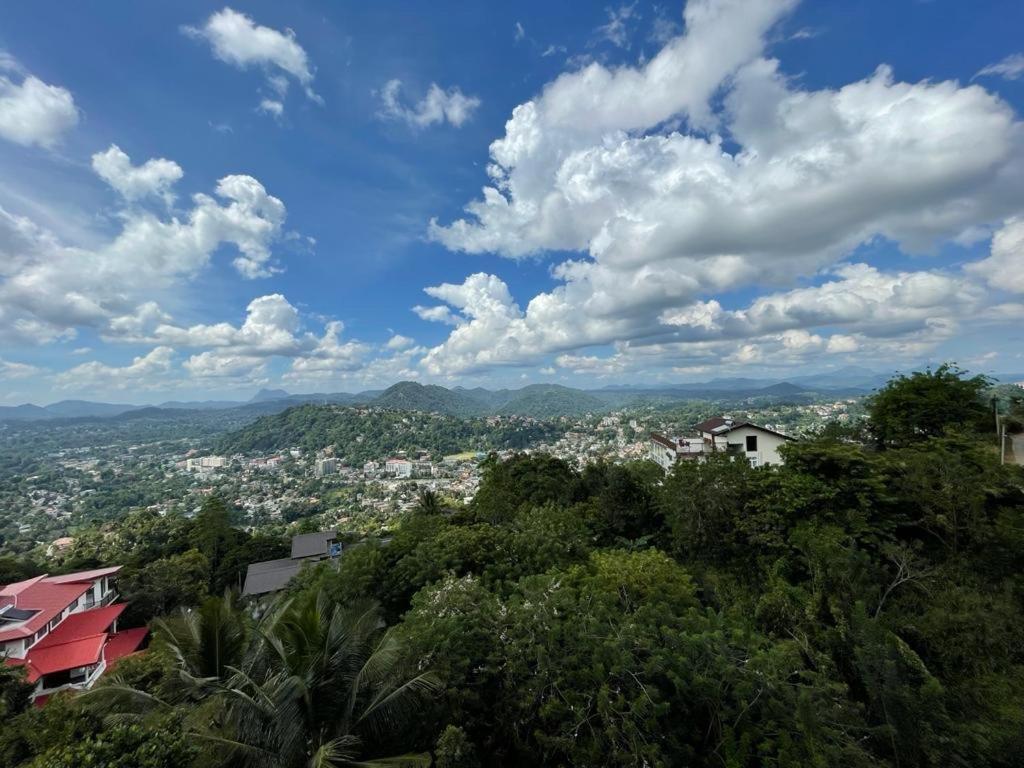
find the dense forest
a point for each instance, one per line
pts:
(859, 606)
(361, 434)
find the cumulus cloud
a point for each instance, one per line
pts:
(706, 170)
(33, 112)
(10, 370)
(437, 314)
(49, 289)
(437, 106)
(1011, 68)
(144, 371)
(239, 41)
(861, 298)
(133, 182)
(1004, 268)
(398, 341)
(272, 328)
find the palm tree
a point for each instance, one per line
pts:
(318, 684)
(429, 503)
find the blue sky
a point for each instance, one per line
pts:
(677, 192)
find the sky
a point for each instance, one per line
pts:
(200, 200)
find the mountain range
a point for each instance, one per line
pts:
(536, 400)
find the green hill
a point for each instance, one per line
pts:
(549, 401)
(361, 434)
(429, 398)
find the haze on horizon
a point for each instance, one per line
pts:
(201, 200)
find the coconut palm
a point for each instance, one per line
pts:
(320, 687)
(312, 683)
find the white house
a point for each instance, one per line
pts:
(758, 445)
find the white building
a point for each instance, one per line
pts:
(206, 463)
(324, 467)
(398, 467)
(758, 445)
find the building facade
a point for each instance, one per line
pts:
(63, 629)
(756, 444)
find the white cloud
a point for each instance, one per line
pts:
(133, 182)
(10, 370)
(674, 195)
(438, 314)
(1004, 268)
(519, 32)
(1011, 68)
(398, 341)
(50, 289)
(437, 106)
(272, 329)
(271, 107)
(31, 111)
(616, 31)
(239, 41)
(144, 371)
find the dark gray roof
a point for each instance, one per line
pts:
(270, 575)
(312, 544)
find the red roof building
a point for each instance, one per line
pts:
(63, 629)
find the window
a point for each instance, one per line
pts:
(751, 443)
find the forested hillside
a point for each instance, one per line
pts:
(859, 606)
(360, 434)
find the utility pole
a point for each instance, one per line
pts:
(1002, 448)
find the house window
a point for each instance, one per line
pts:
(751, 443)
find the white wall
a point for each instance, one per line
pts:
(767, 445)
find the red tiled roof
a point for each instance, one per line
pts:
(46, 598)
(82, 625)
(80, 652)
(123, 643)
(74, 578)
(20, 586)
(49, 595)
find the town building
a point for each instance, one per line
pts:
(758, 445)
(205, 464)
(63, 629)
(398, 467)
(324, 467)
(272, 575)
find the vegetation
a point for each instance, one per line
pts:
(361, 434)
(859, 606)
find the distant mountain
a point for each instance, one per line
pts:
(200, 405)
(430, 398)
(543, 401)
(72, 409)
(845, 378)
(783, 388)
(269, 394)
(26, 412)
(548, 401)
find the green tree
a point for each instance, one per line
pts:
(928, 404)
(125, 745)
(214, 536)
(162, 585)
